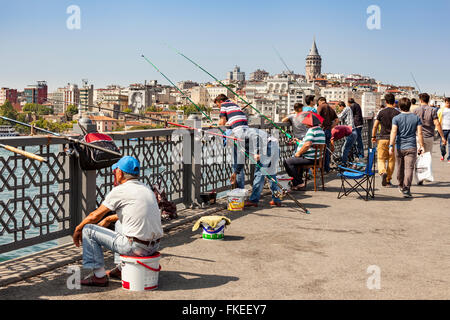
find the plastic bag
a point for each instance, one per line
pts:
(423, 168)
(238, 193)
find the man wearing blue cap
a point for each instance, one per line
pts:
(138, 224)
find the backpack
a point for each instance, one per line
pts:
(93, 159)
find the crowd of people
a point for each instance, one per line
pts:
(399, 132)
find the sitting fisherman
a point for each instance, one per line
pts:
(138, 224)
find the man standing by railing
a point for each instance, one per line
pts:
(330, 120)
(359, 123)
(138, 223)
(232, 114)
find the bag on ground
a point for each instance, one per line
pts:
(423, 168)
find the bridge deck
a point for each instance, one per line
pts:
(278, 253)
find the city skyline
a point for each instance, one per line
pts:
(107, 48)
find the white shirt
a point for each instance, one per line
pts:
(137, 208)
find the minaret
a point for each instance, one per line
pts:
(313, 63)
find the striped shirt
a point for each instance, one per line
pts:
(233, 113)
(316, 136)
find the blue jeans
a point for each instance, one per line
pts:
(95, 237)
(239, 157)
(347, 148)
(326, 165)
(359, 142)
(443, 148)
(258, 185)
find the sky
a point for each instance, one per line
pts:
(36, 44)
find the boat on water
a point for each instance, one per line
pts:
(8, 131)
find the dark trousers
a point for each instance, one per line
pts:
(292, 166)
(359, 142)
(326, 165)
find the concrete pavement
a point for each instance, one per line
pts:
(279, 253)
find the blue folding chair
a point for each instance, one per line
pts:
(355, 179)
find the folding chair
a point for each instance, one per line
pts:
(359, 179)
(317, 165)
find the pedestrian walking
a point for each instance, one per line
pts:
(386, 160)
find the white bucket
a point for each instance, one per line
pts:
(210, 233)
(140, 273)
(284, 181)
(236, 199)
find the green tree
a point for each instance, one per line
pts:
(7, 110)
(127, 110)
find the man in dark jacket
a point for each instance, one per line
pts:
(359, 122)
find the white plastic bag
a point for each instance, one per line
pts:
(423, 168)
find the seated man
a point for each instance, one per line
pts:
(305, 153)
(138, 226)
(296, 119)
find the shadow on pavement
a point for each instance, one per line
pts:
(178, 280)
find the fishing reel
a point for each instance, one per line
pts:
(281, 194)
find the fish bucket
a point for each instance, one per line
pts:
(140, 273)
(236, 199)
(284, 181)
(216, 233)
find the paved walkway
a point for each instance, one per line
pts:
(279, 253)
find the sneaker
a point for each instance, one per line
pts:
(407, 193)
(442, 158)
(400, 189)
(389, 185)
(250, 204)
(448, 161)
(384, 179)
(275, 203)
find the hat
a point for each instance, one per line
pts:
(313, 119)
(127, 164)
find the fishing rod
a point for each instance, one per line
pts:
(22, 152)
(420, 91)
(284, 192)
(63, 137)
(155, 119)
(279, 56)
(288, 69)
(231, 90)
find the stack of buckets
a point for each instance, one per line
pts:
(140, 273)
(236, 199)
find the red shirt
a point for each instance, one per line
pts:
(340, 132)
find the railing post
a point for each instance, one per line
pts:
(72, 205)
(192, 172)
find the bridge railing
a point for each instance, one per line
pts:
(40, 202)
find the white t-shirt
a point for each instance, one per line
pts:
(137, 208)
(446, 119)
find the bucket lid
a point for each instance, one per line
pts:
(238, 193)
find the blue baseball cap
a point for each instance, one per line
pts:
(127, 164)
